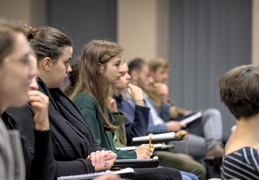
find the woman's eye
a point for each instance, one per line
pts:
(118, 64)
(25, 61)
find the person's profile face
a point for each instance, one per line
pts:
(33, 61)
(145, 79)
(16, 73)
(110, 70)
(60, 69)
(161, 75)
(124, 80)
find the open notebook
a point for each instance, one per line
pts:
(191, 118)
(127, 172)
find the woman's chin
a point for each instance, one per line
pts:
(20, 102)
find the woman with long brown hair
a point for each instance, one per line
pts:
(99, 68)
(74, 148)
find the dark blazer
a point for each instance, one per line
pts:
(71, 137)
(137, 118)
(39, 161)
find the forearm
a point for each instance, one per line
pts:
(43, 165)
(157, 128)
(165, 112)
(78, 166)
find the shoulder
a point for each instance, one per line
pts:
(83, 100)
(243, 155)
(82, 97)
(241, 164)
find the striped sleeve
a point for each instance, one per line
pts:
(241, 164)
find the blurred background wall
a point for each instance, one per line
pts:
(201, 39)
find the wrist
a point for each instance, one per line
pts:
(138, 100)
(166, 99)
(41, 126)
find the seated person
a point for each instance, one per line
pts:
(210, 126)
(239, 92)
(137, 124)
(99, 68)
(197, 144)
(18, 86)
(119, 117)
(74, 148)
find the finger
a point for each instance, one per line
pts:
(38, 98)
(129, 90)
(37, 105)
(183, 125)
(93, 159)
(130, 86)
(98, 157)
(106, 163)
(103, 156)
(112, 156)
(151, 150)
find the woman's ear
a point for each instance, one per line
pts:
(46, 63)
(101, 68)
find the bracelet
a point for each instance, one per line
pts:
(139, 100)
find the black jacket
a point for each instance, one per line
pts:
(72, 140)
(39, 161)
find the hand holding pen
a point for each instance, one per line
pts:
(145, 150)
(150, 145)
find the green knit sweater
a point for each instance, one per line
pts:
(89, 109)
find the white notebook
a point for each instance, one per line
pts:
(93, 175)
(129, 148)
(191, 118)
(161, 136)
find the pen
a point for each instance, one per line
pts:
(150, 142)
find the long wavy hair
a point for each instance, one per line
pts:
(90, 80)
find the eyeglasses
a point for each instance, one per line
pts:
(23, 60)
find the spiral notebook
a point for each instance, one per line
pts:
(123, 173)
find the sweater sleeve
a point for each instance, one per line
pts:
(92, 116)
(78, 166)
(43, 165)
(39, 151)
(158, 128)
(140, 123)
(93, 119)
(165, 112)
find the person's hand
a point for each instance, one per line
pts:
(137, 94)
(112, 105)
(144, 151)
(161, 90)
(102, 160)
(40, 105)
(107, 177)
(174, 126)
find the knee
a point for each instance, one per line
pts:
(200, 171)
(212, 112)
